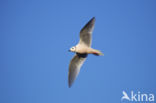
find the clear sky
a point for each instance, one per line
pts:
(35, 37)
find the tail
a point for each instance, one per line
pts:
(97, 53)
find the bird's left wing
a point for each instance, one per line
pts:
(74, 67)
(86, 33)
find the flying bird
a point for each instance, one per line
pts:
(81, 50)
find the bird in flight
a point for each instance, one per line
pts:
(81, 50)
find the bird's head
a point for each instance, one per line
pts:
(72, 49)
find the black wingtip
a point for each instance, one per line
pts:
(89, 24)
(69, 84)
(92, 20)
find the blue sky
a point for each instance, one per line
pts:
(35, 37)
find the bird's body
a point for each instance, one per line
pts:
(82, 49)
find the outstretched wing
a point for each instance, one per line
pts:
(74, 67)
(86, 33)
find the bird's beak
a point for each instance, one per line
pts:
(69, 51)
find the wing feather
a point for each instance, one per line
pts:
(74, 67)
(86, 33)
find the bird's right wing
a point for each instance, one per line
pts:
(74, 67)
(86, 33)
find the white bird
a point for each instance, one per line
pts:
(82, 49)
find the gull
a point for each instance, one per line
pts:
(81, 50)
